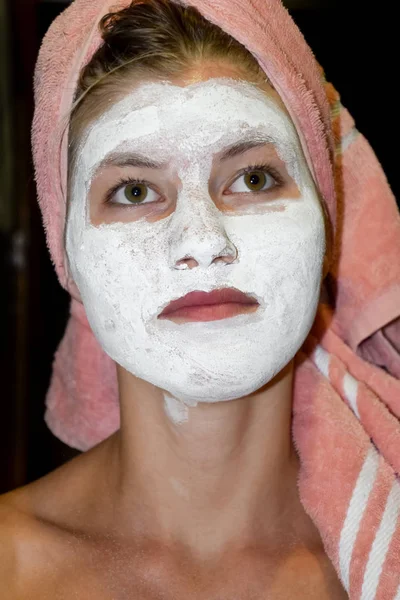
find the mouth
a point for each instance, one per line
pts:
(209, 306)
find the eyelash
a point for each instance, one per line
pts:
(122, 183)
(274, 173)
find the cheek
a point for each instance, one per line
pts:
(113, 287)
(121, 263)
(279, 252)
(283, 236)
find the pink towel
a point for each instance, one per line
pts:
(346, 409)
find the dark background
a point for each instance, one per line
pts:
(356, 45)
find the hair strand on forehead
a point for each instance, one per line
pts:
(157, 39)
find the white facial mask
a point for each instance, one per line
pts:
(127, 272)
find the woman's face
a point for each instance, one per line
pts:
(199, 187)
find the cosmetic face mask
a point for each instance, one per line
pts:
(128, 272)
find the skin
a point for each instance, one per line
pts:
(211, 511)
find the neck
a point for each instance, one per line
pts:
(225, 477)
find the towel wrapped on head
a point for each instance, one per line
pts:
(346, 405)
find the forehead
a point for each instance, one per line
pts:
(205, 116)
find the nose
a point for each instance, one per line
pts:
(199, 238)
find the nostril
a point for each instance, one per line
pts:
(222, 259)
(227, 260)
(186, 263)
(228, 256)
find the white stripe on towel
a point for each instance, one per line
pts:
(381, 543)
(397, 596)
(350, 388)
(346, 141)
(322, 360)
(355, 511)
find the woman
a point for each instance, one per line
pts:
(193, 219)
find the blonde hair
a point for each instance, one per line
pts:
(156, 39)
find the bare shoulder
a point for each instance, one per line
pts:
(20, 536)
(11, 527)
(51, 504)
(38, 540)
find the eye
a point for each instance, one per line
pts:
(133, 192)
(255, 180)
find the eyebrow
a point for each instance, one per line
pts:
(135, 159)
(128, 159)
(242, 147)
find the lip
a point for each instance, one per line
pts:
(209, 306)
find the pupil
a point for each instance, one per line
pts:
(136, 193)
(254, 179)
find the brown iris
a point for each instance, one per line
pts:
(136, 192)
(255, 180)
